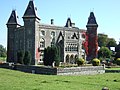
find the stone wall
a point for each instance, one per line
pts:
(91, 70)
(36, 69)
(31, 69)
(112, 71)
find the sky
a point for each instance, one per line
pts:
(107, 13)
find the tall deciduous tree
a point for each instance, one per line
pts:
(105, 41)
(111, 42)
(102, 40)
(3, 52)
(117, 50)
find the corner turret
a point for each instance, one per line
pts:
(31, 24)
(92, 20)
(92, 37)
(12, 25)
(13, 20)
(31, 11)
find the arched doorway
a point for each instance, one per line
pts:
(67, 58)
(72, 60)
(76, 57)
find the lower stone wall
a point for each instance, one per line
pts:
(31, 69)
(36, 69)
(90, 70)
(112, 71)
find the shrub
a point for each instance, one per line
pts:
(95, 62)
(80, 61)
(76, 58)
(27, 58)
(51, 54)
(20, 56)
(118, 61)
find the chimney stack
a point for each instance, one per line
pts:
(52, 21)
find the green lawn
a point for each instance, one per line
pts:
(113, 68)
(15, 80)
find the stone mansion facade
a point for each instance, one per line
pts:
(35, 37)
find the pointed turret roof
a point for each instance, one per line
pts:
(92, 19)
(13, 18)
(68, 23)
(30, 11)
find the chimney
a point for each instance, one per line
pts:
(73, 24)
(52, 21)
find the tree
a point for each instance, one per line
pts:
(3, 52)
(45, 57)
(48, 56)
(111, 42)
(117, 50)
(57, 56)
(51, 54)
(20, 57)
(102, 40)
(27, 58)
(104, 53)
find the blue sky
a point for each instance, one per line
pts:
(107, 14)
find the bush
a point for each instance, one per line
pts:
(51, 54)
(20, 56)
(95, 62)
(80, 61)
(118, 61)
(27, 58)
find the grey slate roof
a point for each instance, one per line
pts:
(30, 11)
(13, 18)
(68, 22)
(92, 19)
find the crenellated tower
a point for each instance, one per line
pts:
(92, 37)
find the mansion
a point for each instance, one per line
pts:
(34, 36)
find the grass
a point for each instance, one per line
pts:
(113, 68)
(15, 80)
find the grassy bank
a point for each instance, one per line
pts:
(15, 80)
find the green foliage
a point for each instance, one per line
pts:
(20, 57)
(51, 54)
(27, 58)
(102, 40)
(117, 48)
(105, 41)
(76, 59)
(111, 42)
(80, 61)
(25, 81)
(3, 52)
(57, 56)
(118, 61)
(117, 55)
(2, 59)
(104, 52)
(95, 62)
